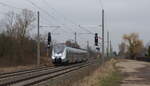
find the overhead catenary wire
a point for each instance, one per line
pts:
(40, 8)
(101, 4)
(52, 8)
(4, 4)
(55, 11)
(47, 13)
(66, 19)
(78, 26)
(10, 6)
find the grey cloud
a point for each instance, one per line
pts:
(121, 16)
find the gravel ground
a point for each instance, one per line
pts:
(136, 73)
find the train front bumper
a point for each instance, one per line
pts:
(59, 60)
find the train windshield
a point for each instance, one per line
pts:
(59, 48)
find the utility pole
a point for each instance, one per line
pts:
(103, 46)
(38, 38)
(87, 44)
(75, 37)
(110, 48)
(108, 44)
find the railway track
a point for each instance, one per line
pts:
(31, 77)
(4, 75)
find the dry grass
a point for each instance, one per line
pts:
(100, 76)
(46, 61)
(17, 68)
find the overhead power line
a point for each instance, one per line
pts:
(36, 6)
(55, 11)
(10, 6)
(42, 10)
(65, 18)
(101, 4)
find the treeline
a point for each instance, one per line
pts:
(16, 45)
(72, 44)
(132, 47)
(13, 52)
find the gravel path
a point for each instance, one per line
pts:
(135, 73)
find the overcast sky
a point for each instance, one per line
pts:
(121, 17)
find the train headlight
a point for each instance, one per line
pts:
(63, 57)
(58, 55)
(53, 57)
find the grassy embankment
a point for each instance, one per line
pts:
(107, 75)
(112, 79)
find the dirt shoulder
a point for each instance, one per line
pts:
(135, 73)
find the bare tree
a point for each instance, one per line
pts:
(122, 49)
(71, 44)
(23, 22)
(18, 25)
(16, 46)
(9, 22)
(134, 44)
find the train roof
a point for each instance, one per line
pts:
(71, 48)
(76, 50)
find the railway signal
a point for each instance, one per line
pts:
(49, 39)
(96, 39)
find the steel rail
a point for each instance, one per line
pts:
(49, 76)
(5, 75)
(19, 78)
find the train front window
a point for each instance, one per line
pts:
(59, 48)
